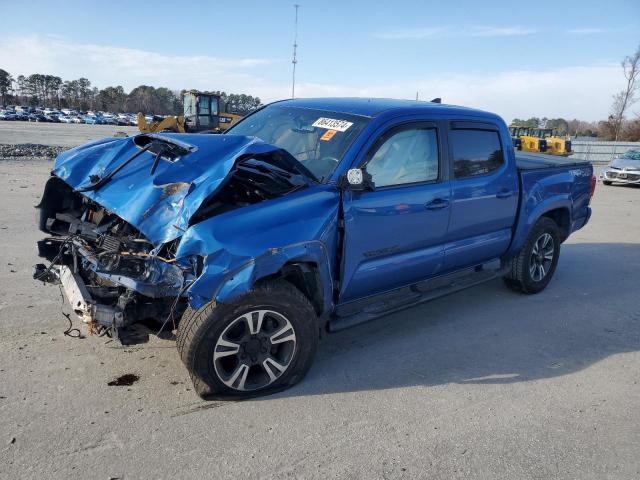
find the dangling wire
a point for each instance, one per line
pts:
(174, 304)
(70, 331)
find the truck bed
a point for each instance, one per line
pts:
(538, 161)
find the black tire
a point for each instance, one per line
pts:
(606, 182)
(520, 276)
(200, 331)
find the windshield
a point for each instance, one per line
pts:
(316, 138)
(631, 155)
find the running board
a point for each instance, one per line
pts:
(407, 297)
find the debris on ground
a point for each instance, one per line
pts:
(30, 150)
(125, 380)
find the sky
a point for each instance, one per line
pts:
(545, 58)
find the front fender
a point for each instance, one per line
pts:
(238, 248)
(226, 287)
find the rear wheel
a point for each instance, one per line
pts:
(262, 343)
(533, 268)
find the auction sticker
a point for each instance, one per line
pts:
(328, 135)
(332, 124)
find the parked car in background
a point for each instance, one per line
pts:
(76, 119)
(37, 117)
(624, 169)
(93, 120)
(7, 115)
(64, 119)
(22, 115)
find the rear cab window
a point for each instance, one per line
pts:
(476, 149)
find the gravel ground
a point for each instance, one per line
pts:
(57, 134)
(485, 384)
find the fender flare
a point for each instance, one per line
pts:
(528, 219)
(242, 278)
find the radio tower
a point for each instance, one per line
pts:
(295, 51)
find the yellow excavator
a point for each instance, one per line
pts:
(202, 112)
(540, 140)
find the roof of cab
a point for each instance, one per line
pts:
(372, 107)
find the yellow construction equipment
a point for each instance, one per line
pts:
(202, 112)
(557, 144)
(167, 124)
(540, 140)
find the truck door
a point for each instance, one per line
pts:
(484, 195)
(394, 233)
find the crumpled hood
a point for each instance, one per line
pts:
(159, 205)
(628, 163)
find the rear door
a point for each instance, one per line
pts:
(394, 234)
(484, 194)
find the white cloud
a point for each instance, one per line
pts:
(586, 31)
(441, 32)
(580, 91)
(106, 65)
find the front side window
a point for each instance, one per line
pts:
(405, 156)
(475, 152)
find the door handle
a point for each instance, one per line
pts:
(504, 193)
(437, 204)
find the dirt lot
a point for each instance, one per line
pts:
(63, 134)
(482, 384)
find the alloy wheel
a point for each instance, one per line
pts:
(254, 350)
(541, 257)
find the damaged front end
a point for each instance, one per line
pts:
(111, 274)
(115, 212)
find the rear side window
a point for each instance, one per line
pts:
(406, 155)
(475, 152)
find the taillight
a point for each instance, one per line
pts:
(592, 190)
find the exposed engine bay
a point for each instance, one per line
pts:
(112, 275)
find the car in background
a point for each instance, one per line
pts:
(624, 169)
(76, 119)
(109, 120)
(22, 115)
(37, 117)
(7, 115)
(65, 119)
(93, 120)
(52, 118)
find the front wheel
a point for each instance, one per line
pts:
(606, 182)
(262, 343)
(532, 269)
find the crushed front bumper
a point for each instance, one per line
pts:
(83, 305)
(621, 176)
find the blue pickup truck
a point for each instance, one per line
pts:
(309, 215)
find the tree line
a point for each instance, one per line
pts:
(617, 126)
(605, 129)
(44, 90)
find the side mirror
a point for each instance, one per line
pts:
(357, 179)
